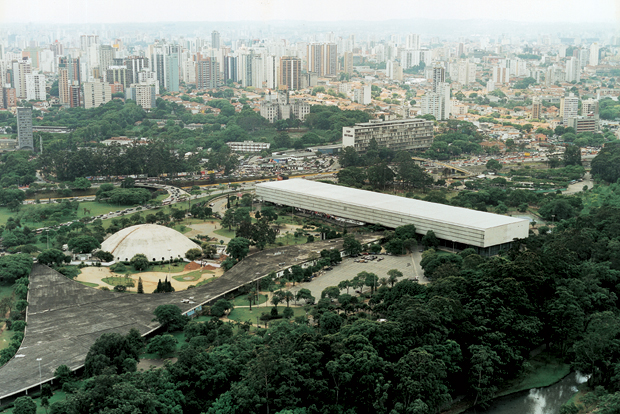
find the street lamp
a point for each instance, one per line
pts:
(169, 261)
(40, 376)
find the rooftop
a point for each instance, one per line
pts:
(391, 203)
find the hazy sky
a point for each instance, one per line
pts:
(111, 11)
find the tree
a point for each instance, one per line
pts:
(81, 183)
(572, 155)
(331, 292)
(83, 244)
(104, 256)
(24, 405)
(140, 286)
(394, 274)
(53, 256)
(288, 313)
(493, 165)
(63, 373)
(350, 245)
(220, 307)
(139, 262)
(193, 254)
(15, 266)
(162, 345)
(277, 298)
(304, 294)
(238, 248)
(170, 317)
(429, 240)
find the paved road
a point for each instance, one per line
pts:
(348, 269)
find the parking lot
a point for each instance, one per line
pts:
(348, 269)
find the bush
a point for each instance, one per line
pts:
(118, 267)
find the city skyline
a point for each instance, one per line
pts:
(90, 12)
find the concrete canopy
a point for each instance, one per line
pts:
(156, 242)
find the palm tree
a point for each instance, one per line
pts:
(288, 296)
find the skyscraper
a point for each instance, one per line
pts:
(536, 108)
(323, 59)
(569, 106)
(594, 52)
(573, 70)
(88, 40)
(215, 39)
(24, 128)
(207, 73)
(68, 77)
(172, 72)
(412, 41)
(21, 69)
(35, 87)
(348, 63)
(439, 75)
(134, 65)
(290, 70)
(106, 58)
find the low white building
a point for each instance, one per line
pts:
(456, 226)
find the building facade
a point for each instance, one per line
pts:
(290, 73)
(24, 129)
(401, 134)
(96, 93)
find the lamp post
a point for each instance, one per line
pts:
(169, 261)
(553, 219)
(40, 376)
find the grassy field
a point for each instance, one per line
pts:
(243, 301)
(115, 281)
(191, 276)
(5, 337)
(179, 336)
(225, 232)
(247, 315)
(58, 396)
(174, 268)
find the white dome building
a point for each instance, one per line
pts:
(155, 242)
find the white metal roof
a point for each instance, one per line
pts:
(401, 205)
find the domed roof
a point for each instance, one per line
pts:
(156, 242)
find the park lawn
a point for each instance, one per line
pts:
(245, 315)
(225, 232)
(546, 370)
(167, 268)
(6, 290)
(115, 281)
(243, 301)
(58, 396)
(191, 276)
(5, 337)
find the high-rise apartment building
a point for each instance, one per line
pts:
(347, 61)
(230, 68)
(35, 87)
(290, 71)
(439, 76)
(96, 93)
(171, 80)
(322, 59)
(87, 41)
(21, 69)
(437, 103)
(412, 41)
(134, 65)
(118, 74)
(569, 107)
(106, 57)
(143, 94)
(207, 73)
(68, 77)
(215, 39)
(467, 72)
(500, 75)
(24, 128)
(573, 70)
(589, 107)
(537, 108)
(594, 54)
(9, 97)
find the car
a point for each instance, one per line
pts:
(421, 250)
